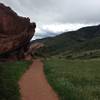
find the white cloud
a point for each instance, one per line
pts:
(55, 29)
(63, 27)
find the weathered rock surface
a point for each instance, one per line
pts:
(15, 33)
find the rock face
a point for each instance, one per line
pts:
(15, 33)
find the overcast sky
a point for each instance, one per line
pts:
(54, 16)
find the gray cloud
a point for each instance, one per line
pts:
(58, 11)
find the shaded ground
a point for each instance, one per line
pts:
(34, 86)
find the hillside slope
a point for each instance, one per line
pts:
(73, 42)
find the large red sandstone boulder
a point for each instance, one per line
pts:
(15, 32)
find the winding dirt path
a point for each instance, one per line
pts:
(33, 84)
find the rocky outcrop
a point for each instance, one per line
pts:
(15, 33)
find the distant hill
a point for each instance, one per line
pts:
(84, 42)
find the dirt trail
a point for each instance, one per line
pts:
(33, 84)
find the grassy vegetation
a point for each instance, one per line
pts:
(9, 76)
(83, 44)
(74, 79)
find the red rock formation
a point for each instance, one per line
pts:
(15, 33)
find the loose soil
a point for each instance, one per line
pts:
(33, 84)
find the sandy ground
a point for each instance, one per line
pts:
(33, 84)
